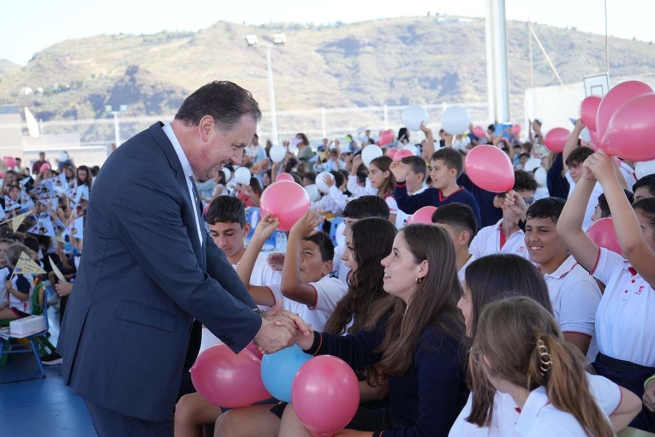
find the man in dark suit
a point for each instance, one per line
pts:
(149, 269)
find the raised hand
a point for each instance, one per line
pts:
(306, 226)
(515, 203)
(601, 166)
(399, 170)
(275, 261)
(266, 226)
(329, 180)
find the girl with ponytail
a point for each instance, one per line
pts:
(520, 350)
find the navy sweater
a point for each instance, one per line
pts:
(433, 197)
(488, 212)
(425, 401)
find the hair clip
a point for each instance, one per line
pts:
(544, 357)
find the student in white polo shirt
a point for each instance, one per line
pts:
(624, 321)
(416, 174)
(573, 291)
(506, 236)
(519, 350)
(493, 278)
(458, 219)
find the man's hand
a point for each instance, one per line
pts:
(399, 170)
(275, 261)
(63, 288)
(306, 226)
(278, 330)
(266, 227)
(649, 396)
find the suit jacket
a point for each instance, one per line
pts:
(143, 279)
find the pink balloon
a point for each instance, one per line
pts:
(602, 233)
(9, 161)
(516, 129)
(479, 132)
(555, 139)
(404, 153)
(285, 177)
(391, 153)
(253, 350)
(2, 174)
(227, 379)
(632, 129)
(489, 168)
(325, 395)
(287, 201)
(614, 98)
(424, 215)
(589, 111)
(45, 166)
(386, 137)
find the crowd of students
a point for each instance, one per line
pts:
(503, 300)
(501, 318)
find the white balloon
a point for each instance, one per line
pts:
(228, 174)
(456, 120)
(585, 135)
(370, 152)
(313, 192)
(277, 153)
(413, 116)
(320, 183)
(541, 176)
(242, 176)
(412, 148)
(644, 168)
(63, 156)
(532, 164)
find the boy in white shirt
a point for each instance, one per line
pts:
(228, 227)
(506, 236)
(458, 219)
(573, 291)
(416, 174)
(306, 287)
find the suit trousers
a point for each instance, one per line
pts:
(109, 423)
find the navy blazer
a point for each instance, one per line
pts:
(143, 279)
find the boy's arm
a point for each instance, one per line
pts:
(20, 293)
(572, 142)
(265, 228)
(292, 287)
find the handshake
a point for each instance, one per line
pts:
(282, 329)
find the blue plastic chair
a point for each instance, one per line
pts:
(333, 229)
(33, 347)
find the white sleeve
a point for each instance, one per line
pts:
(358, 191)
(607, 394)
(476, 245)
(329, 292)
(578, 306)
(339, 198)
(276, 291)
(393, 206)
(462, 428)
(607, 265)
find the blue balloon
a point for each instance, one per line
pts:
(279, 370)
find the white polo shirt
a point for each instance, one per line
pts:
(488, 242)
(628, 173)
(506, 415)
(358, 191)
(461, 273)
(575, 296)
(329, 292)
(401, 217)
(625, 320)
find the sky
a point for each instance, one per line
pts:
(29, 27)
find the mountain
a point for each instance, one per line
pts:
(393, 61)
(7, 67)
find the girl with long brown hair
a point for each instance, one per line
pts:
(414, 337)
(384, 182)
(520, 350)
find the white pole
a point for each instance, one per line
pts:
(489, 39)
(323, 123)
(117, 130)
(502, 68)
(271, 94)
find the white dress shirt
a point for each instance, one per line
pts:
(188, 173)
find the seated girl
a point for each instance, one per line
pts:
(414, 337)
(518, 349)
(488, 412)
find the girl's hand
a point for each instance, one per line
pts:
(601, 166)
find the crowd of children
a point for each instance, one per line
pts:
(503, 317)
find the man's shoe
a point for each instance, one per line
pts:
(52, 360)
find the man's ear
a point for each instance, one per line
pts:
(205, 127)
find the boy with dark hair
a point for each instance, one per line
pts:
(573, 291)
(603, 208)
(446, 166)
(506, 236)
(416, 173)
(644, 188)
(306, 287)
(459, 221)
(228, 227)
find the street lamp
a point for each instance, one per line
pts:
(278, 39)
(117, 130)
